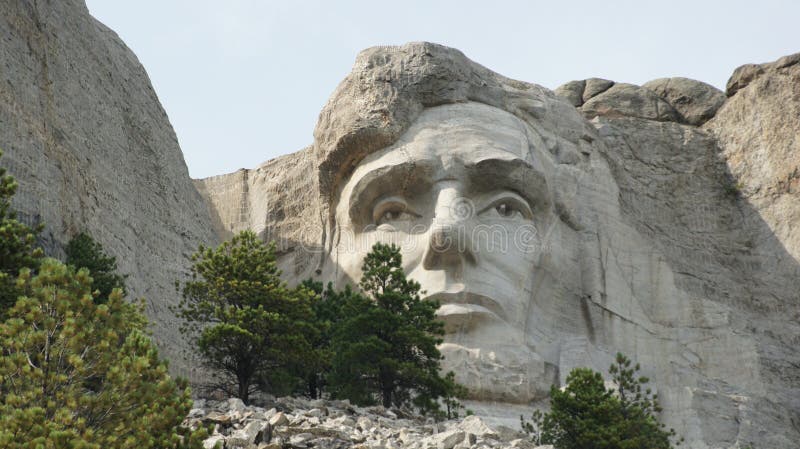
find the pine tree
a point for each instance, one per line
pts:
(639, 426)
(84, 252)
(328, 314)
(18, 249)
(386, 342)
(74, 373)
(588, 415)
(584, 415)
(251, 329)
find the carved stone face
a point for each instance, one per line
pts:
(467, 201)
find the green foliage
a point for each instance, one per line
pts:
(639, 408)
(84, 252)
(251, 330)
(18, 248)
(78, 374)
(386, 342)
(587, 415)
(452, 392)
(328, 314)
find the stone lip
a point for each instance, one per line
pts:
(302, 423)
(466, 308)
(459, 316)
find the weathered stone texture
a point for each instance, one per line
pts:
(338, 424)
(673, 243)
(93, 150)
(748, 73)
(696, 101)
(632, 101)
(279, 200)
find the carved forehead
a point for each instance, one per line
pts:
(469, 124)
(464, 133)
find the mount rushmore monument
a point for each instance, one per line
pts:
(556, 228)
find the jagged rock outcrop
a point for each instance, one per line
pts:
(632, 101)
(747, 73)
(675, 99)
(696, 101)
(666, 213)
(93, 150)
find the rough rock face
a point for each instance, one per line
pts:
(631, 101)
(745, 74)
(277, 200)
(757, 133)
(696, 101)
(84, 134)
(665, 99)
(650, 235)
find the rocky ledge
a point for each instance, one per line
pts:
(297, 423)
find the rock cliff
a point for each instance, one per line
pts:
(93, 150)
(673, 236)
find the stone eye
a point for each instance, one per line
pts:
(393, 215)
(509, 205)
(390, 215)
(392, 210)
(505, 210)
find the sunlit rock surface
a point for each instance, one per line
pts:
(299, 423)
(86, 137)
(672, 243)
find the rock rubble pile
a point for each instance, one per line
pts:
(293, 423)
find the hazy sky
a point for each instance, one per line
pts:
(244, 80)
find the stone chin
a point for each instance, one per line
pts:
(466, 196)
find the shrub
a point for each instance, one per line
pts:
(587, 415)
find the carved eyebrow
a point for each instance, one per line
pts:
(514, 174)
(493, 162)
(378, 181)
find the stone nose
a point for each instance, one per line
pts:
(445, 237)
(449, 246)
(451, 208)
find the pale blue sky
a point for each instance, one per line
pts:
(244, 80)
